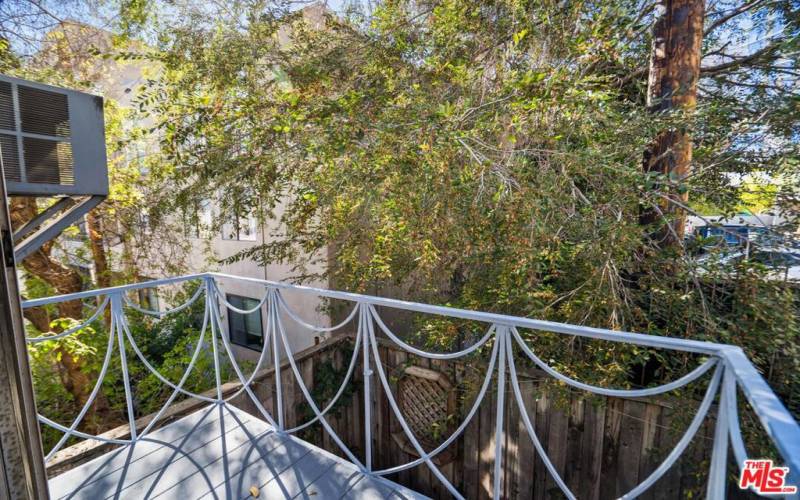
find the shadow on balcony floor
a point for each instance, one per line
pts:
(221, 452)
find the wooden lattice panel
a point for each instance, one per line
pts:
(426, 400)
(424, 404)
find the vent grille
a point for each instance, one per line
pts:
(43, 112)
(8, 145)
(6, 107)
(48, 162)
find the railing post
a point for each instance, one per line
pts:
(117, 327)
(718, 472)
(778, 423)
(364, 318)
(211, 297)
(501, 336)
(276, 358)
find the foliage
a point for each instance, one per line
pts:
(484, 155)
(489, 157)
(168, 344)
(52, 398)
(327, 382)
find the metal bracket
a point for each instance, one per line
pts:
(52, 228)
(47, 213)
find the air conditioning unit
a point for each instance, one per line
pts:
(52, 140)
(52, 144)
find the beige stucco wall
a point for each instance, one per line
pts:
(206, 255)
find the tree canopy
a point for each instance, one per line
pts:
(488, 155)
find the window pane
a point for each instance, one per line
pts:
(247, 228)
(245, 329)
(152, 299)
(229, 231)
(782, 259)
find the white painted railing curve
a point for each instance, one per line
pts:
(732, 371)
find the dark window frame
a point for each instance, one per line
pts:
(237, 322)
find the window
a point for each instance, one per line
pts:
(238, 227)
(198, 224)
(776, 259)
(148, 298)
(733, 235)
(77, 232)
(245, 329)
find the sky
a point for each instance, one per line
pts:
(25, 22)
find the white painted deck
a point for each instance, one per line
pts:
(221, 452)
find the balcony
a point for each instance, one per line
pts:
(264, 433)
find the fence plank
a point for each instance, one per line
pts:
(486, 445)
(556, 441)
(527, 453)
(648, 462)
(307, 374)
(334, 420)
(611, 430)
(573, 470)
(471, 451)
(512, 448)
(695, 460)
(629, 452)
(592, 444)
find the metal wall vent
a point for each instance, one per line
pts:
(6, 107)
(52, 140)
(43, 112)
(48, 155)
(48, 162)
(8, 145)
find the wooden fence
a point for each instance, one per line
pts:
(601, 446)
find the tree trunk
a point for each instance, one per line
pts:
(40, 263)
(102, 273)
(65, 280)
(39, 317)
(672, 85)
(95, 231)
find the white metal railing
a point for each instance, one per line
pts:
(729, 369)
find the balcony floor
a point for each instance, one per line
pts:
(221, 452)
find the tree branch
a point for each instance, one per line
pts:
(735, 12)
(738, 61)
